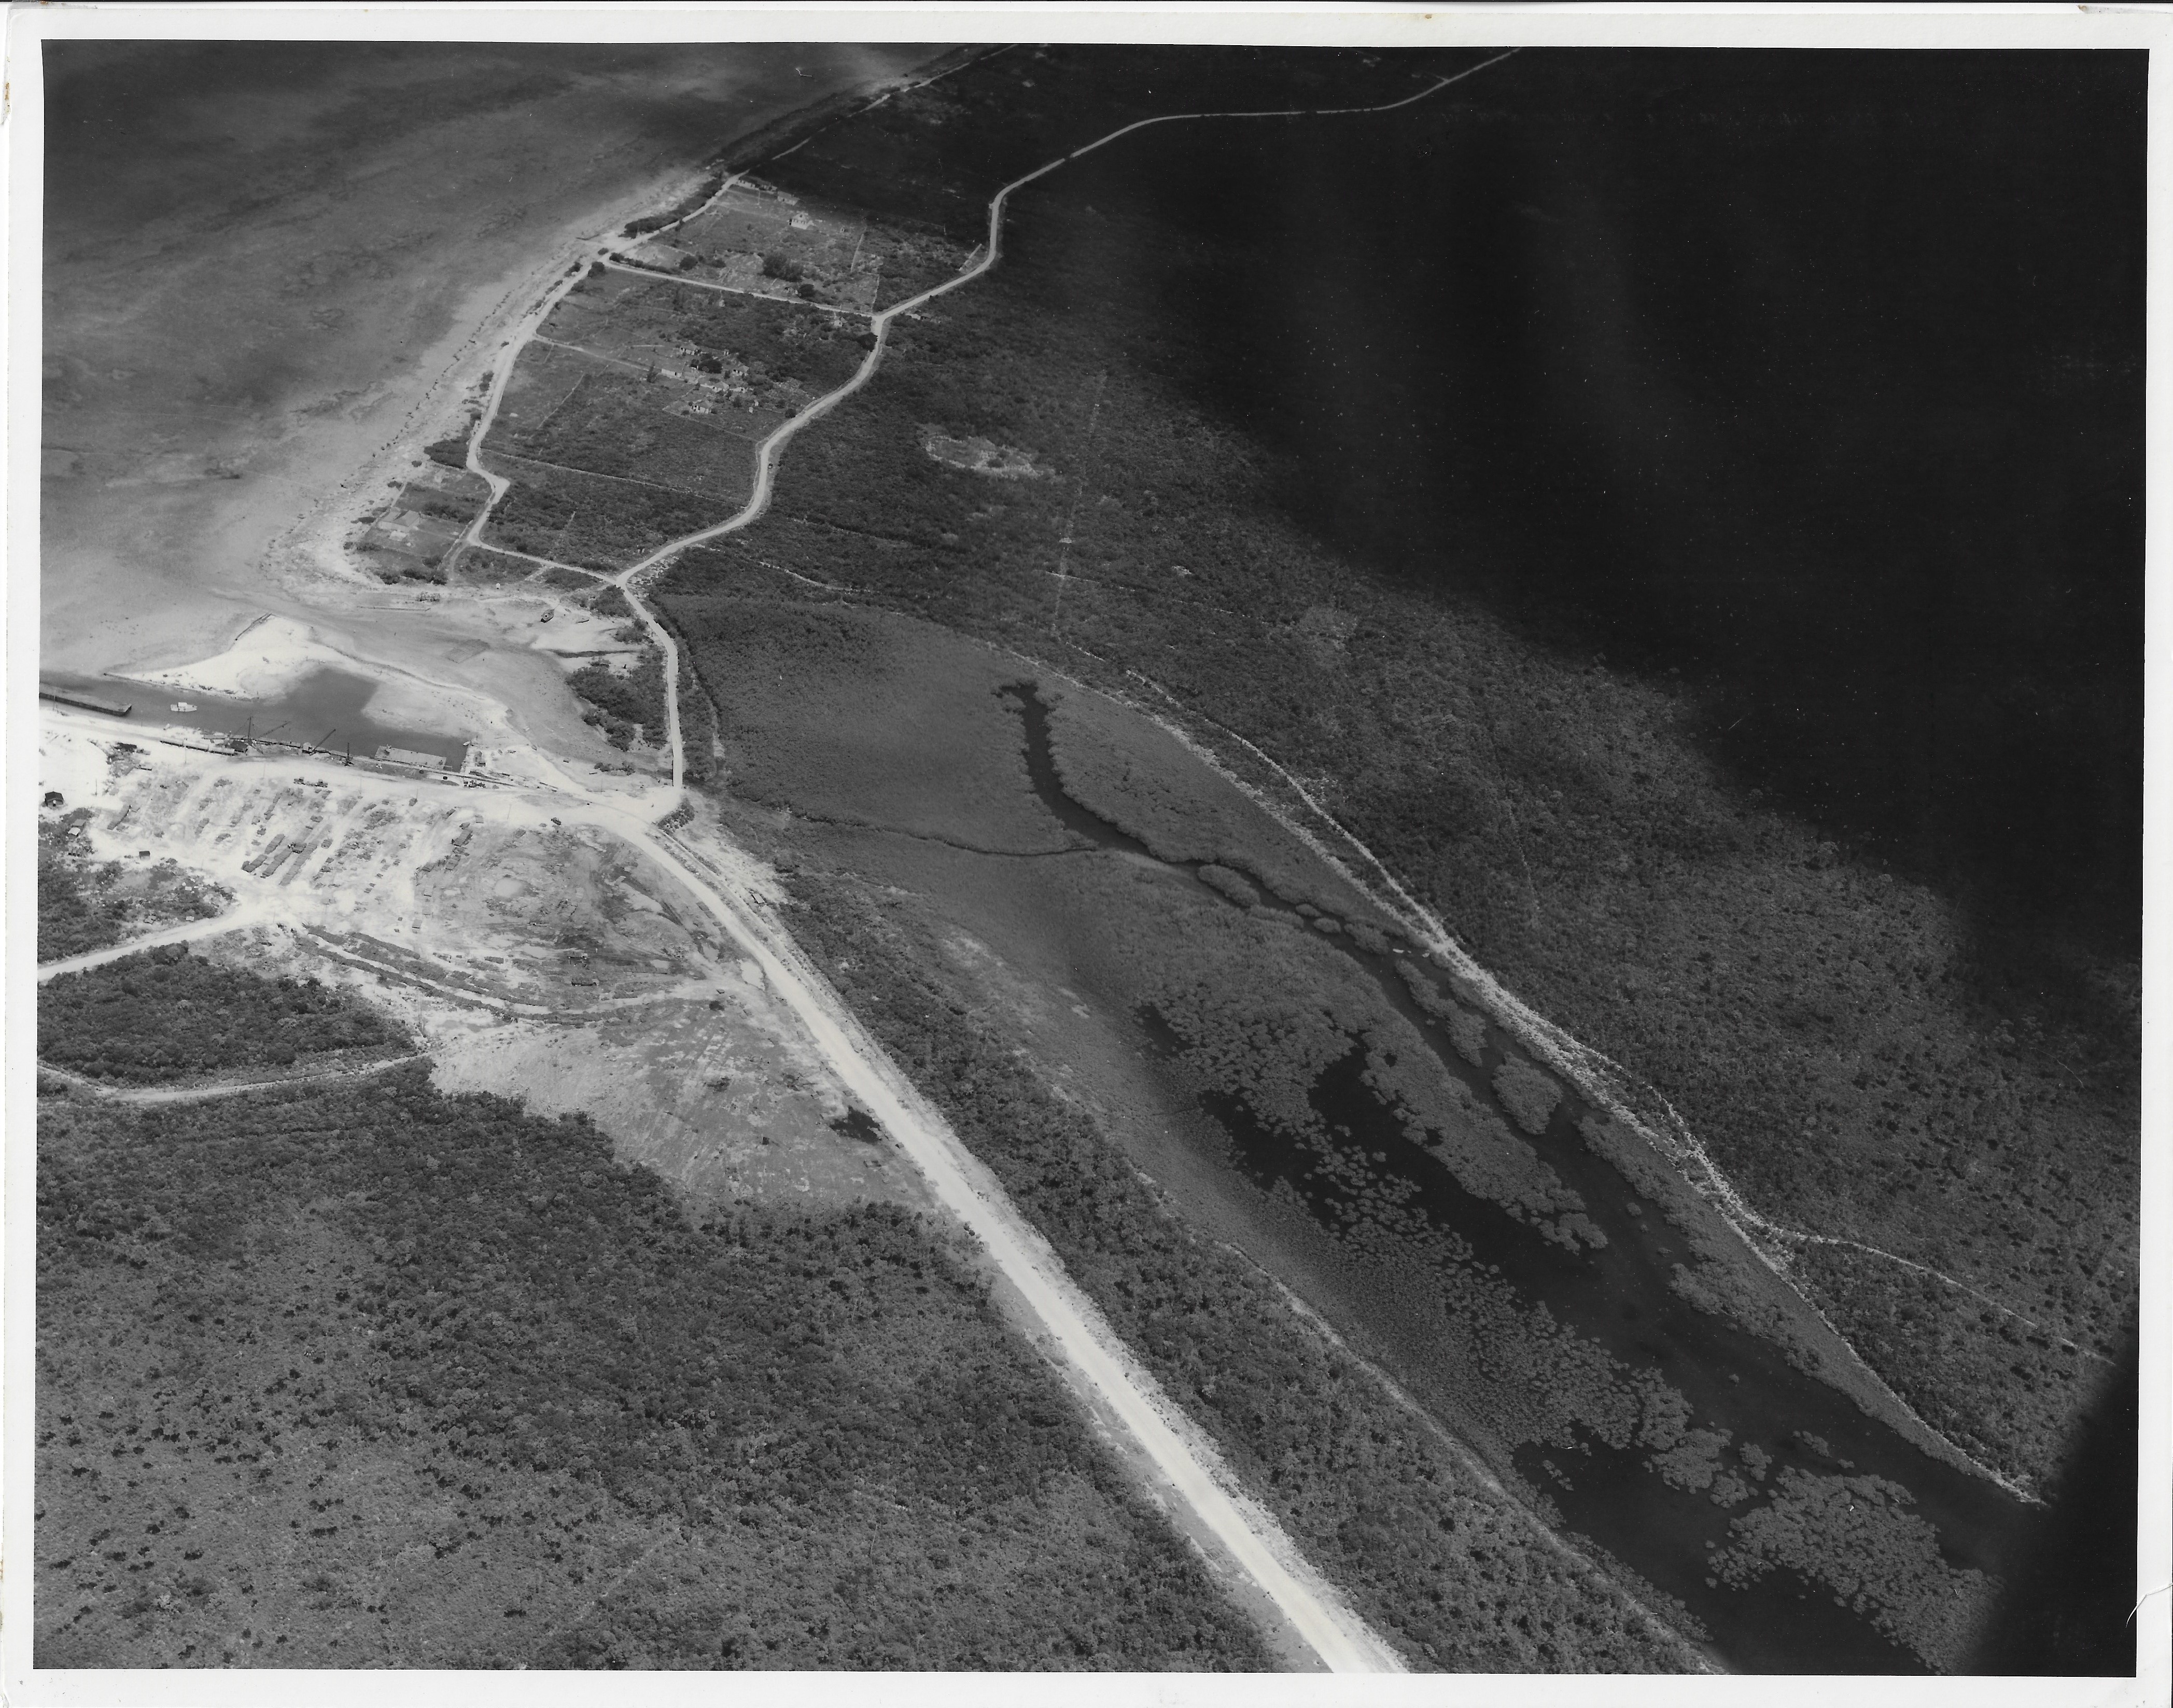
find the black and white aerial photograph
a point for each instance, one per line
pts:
(1317, 850)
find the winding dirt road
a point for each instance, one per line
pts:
(1100, 1366)
(1096, 1358)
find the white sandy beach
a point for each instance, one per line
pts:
(197, 496)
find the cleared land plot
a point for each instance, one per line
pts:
(673, 387)
(593, 519)
(616, 422)
(814, 244)
(410, 537)
(438, 490)
(765, 353)
(543, 382)
(614, 313)
(401, 543)
(86, 904)
(722, 1097)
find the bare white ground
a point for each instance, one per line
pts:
(457, 902)
(364, 899)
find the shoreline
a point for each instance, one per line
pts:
(283, 534)
(438, 660)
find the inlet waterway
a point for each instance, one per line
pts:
(327, 709)
(1619, 1295)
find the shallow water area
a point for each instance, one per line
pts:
(1777, 1421)
(327, 708)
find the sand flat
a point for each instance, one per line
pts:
(305, 275)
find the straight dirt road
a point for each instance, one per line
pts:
(1120, 1389)
(1096, 1358)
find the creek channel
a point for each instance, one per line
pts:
(1618, 1295)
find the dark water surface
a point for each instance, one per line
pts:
(1618, 1295)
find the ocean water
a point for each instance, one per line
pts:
(258, 255)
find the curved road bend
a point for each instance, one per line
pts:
(1250, 1538)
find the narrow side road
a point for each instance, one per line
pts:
(234, 920)
(223, 1088)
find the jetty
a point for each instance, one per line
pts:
(84, 700)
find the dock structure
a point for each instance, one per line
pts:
(83, 700)
(408, 756)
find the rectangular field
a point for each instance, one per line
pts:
(756, 343)
(615, 423)
(598, 521)
(758, 238)
(702, 376)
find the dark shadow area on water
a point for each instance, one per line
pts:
(1619, 1296)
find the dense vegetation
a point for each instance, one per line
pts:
(73, 917)
(1854, 1049)
(167, 1014)
(84, 903)
(407, 1380)
(698, 733)
(1521, 1290)
(457, 507)
(1450, 1569)
(592, 521)
(478, 566)
(626, 707)
(934, 157)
